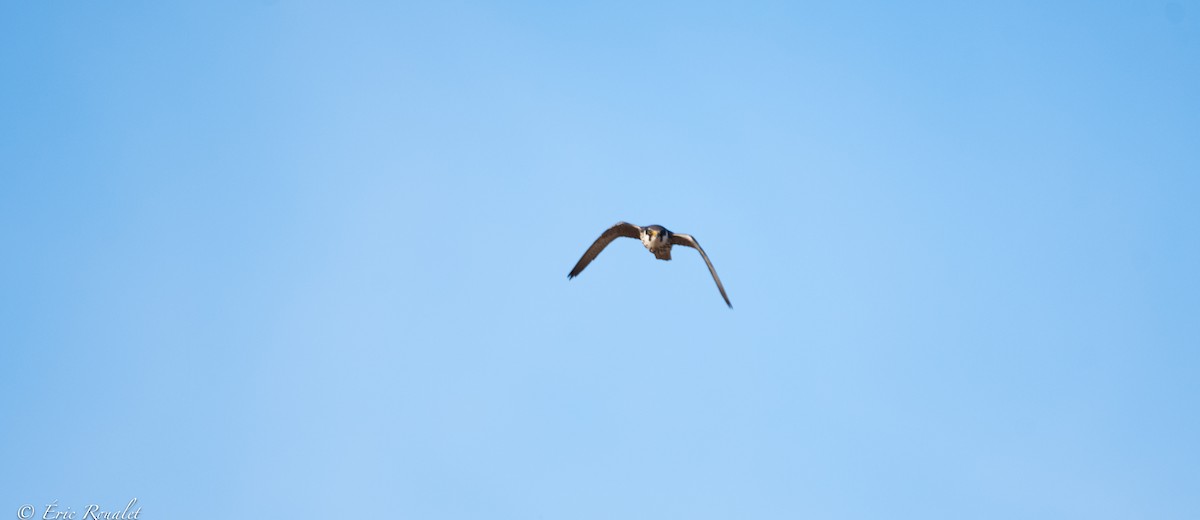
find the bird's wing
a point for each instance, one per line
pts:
(621, 229)
(680, 239)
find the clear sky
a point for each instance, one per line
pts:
(298, 259)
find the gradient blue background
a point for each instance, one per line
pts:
(292, 259)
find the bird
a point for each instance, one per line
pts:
(656, 238)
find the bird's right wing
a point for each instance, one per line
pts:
(621, 229)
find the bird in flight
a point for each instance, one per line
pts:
(656, 238)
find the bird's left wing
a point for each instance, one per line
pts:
(680, 239)
(621, 229)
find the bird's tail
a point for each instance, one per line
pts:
(663, 254)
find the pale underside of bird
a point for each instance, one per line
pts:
(656, 238)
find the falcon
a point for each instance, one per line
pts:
(656, 238)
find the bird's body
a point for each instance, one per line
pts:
(657, 239)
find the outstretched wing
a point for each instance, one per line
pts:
(680, 239)
(621, 229)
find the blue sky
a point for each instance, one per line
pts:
(272, 258)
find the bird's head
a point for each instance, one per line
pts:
(655, 237)
(651, 235)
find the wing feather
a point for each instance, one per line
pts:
(681, 239)
(621, 229)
